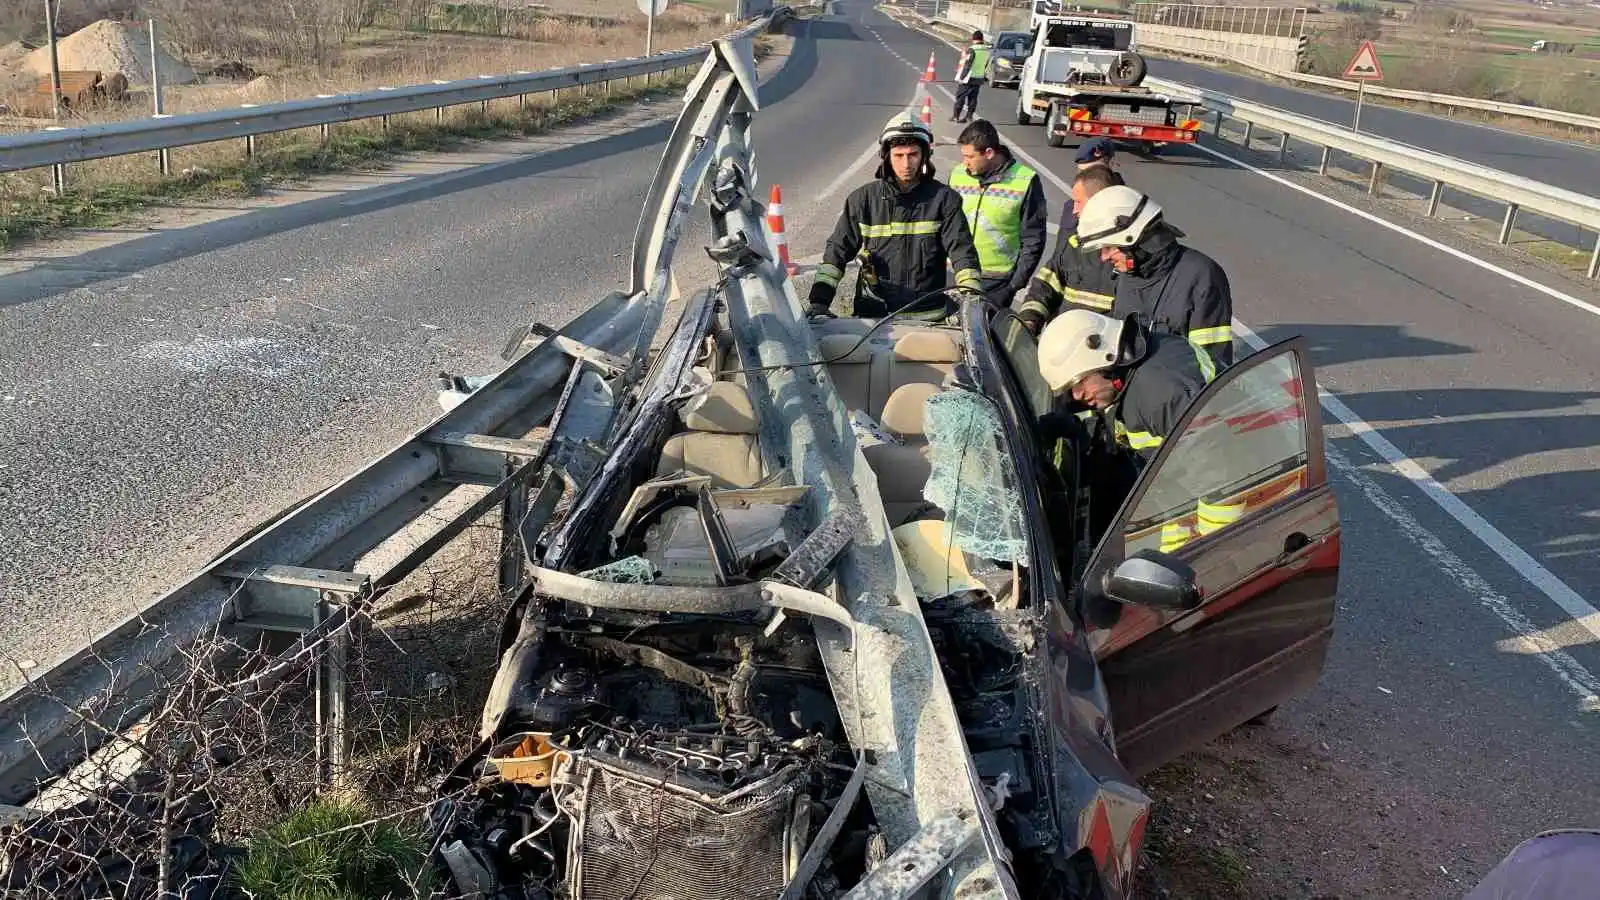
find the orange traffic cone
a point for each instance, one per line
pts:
(927, 111)
(775, 223)
(928, 76)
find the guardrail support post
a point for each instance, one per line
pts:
(1283, 147)
(383, 123)
(1594, 258)
(1433, 198)
(333, 693)
(1322, 166)
(1375, 183)
(58, 178)
(438, 115)
(326, 131)
(1216, 128)
(1249, 129)
(485, 109)
(1507, 223)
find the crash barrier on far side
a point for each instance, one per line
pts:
(1270, 40)
(1386, 156)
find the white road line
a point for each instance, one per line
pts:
(1530, 638)
(1584, 614)
(1523, 280)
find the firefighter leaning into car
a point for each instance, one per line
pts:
(1005, 209)
(1138, 382)
(1139, 379)
(971, 72)
(902, 226)
(1072, 278)
(1172, 287)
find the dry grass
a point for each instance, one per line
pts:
(1471, 49)
(105, 192)
(376, 55)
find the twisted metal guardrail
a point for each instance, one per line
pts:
(324, 561)
(62, 146)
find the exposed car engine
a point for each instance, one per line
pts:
(689, 758)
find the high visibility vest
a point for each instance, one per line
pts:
(980, 61)
(994, 215)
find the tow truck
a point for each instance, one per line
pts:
(1083, 80)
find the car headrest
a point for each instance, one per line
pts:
(834, 346)
(903, 412)
(725, 409)
(927, 347)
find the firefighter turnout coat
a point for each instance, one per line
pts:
(903, 238)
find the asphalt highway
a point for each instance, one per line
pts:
(158, 398)
(1568, 164)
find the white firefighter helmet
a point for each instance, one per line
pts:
(903, 126)
(1116, 217)
(1075, 343)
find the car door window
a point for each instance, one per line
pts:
(1021, 351)
(1242, 451)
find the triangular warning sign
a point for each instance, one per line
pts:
(1365, 64)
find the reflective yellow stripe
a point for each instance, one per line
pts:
(1217, 516)
(829, 274)
(1101, 302)
(1072, 240)
(1217, 335)
(1174, 535)
(1048, 276)
(899, 229)
(1143, 440)
(968, 278)
(1036, 306)
(1208, 366)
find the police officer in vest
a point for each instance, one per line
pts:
(1005, 209)
(971, 73)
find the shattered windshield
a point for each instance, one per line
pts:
(973, 479)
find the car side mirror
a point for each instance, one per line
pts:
(1153, 579)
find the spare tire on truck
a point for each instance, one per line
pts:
(1128, 70)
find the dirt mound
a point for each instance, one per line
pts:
(110, 47)
(12, 53)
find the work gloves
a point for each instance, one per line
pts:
(819, 303)
(1033, 320)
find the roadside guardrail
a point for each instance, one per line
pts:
(1515, 191)
(60, 146)
(1520, 110)
(1385, 155)
(312, 571)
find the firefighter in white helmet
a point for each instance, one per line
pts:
(1173, 288)
(1139, 380)
(903, 227)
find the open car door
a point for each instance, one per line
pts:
(1215, 584)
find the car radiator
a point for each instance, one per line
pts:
(637, 835)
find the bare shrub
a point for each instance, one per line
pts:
(219, 785)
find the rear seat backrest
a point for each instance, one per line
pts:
(861, 378)
(721, 442)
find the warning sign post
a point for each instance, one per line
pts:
(1363, 68)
